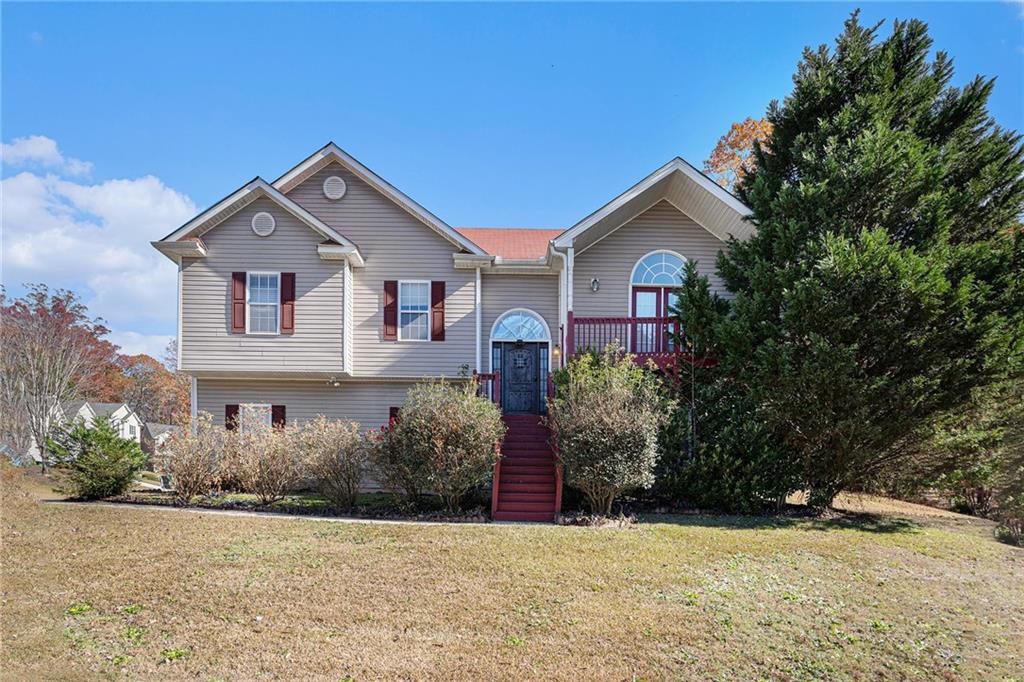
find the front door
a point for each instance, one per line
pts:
(520, 378)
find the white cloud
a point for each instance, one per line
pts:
(39, 150)
(133, 343)
(94, 239)
(35, 37)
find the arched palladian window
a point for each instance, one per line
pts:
(659, 269)
(520, 325)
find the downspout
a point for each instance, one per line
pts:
(479, 319)
(562, 304)
(570, 330)
(193, 403)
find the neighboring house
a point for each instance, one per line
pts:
(155, 435)
(128, 424)
(329, 291)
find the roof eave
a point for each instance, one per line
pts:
(190, 248)
(678, 164)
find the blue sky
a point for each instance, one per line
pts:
(493, 115)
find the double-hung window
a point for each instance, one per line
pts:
(264, 302)
(414, 311)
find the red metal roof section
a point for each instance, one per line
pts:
(510, 242)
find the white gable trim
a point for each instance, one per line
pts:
(333, 152)
(676, 165)
(253, 190)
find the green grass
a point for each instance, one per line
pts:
(174, 594)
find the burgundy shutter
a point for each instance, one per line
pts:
(391, 310)
(277, 415)
(437, 311)
(287, 302)
(237, 302)
(231, 417)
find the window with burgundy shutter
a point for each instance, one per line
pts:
(391, 310)
(231, 417)
(277, 416)
(237, 302)
(437, 311)
(287, 302)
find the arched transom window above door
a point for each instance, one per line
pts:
(520, 325)
(659, 269)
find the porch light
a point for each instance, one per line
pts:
(556, 352)
(595, 284)
(334, 382)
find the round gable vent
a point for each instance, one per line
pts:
(334, 188)
(263, 224)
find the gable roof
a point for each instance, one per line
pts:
(156, 429)
(71, 408)
(107, 409)
(333, 153)
(192, 231)
(705, 201)
(514, 243)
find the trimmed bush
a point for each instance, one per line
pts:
(94, 461)
(262, 459)
(606, 416)
(445, 440)
(334, 455)
(191, 457)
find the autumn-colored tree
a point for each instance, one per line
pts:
(155, 393)
(733, 156)
(52, 352)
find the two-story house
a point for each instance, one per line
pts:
(329, 291)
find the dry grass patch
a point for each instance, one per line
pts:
(102, 592)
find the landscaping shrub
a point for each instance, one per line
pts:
(445, 440)
(882, 285)
(334, 455)
(605, 416)
(94, 461)
(397, 467)
(1011, 520)
(190, 456)
(263, 457)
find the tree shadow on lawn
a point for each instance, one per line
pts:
(869, 523)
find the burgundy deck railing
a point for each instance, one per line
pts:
(642, 336)
(489, 385)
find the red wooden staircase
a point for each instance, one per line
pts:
(527, 480)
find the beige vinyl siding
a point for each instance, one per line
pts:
(611, 260)
(395, 246)
(502, 293)
(367, 403)
(206, 339)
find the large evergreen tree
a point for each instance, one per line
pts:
(885, 279)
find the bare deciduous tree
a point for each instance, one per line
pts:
(52, 352)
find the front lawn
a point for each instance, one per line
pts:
(93, 591)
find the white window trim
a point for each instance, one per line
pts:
(632, 272)
(398, 322)
(242, 407)
(494, 326)
(248, 316)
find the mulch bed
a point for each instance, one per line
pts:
(161, 499)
